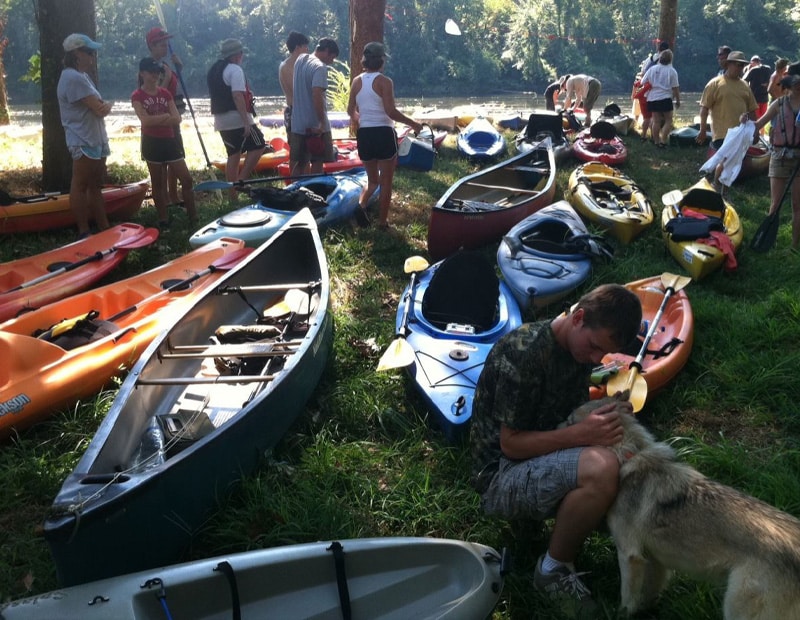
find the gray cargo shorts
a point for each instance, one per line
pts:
(532, 489)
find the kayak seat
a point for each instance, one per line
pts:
(541, 124)
(704, 200)
(464, 289)
(288, 199)
(608, 187)
(553, 236)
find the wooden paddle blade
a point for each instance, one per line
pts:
(398, 355)
(629, 380)
(767, 234)
(671, 198)
(414, 264)
(674, 282)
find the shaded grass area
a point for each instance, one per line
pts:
(364, 461)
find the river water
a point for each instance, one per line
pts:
(122, 114)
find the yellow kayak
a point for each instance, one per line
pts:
(607, 197)
(701, 229)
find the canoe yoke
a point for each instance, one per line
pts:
(463, 291)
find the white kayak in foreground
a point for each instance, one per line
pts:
(370, 578)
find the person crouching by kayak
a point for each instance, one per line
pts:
(582, 90)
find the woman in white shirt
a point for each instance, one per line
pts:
(372, 109)
(663, 80)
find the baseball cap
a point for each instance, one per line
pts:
(157, 34)
(76, 41)
(150, 65)
(755, 59)
(376, 50)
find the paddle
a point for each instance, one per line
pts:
(632, 379)
(400, 353)
(7, 199)
(221, 264)
(672, 198)
(767, 233)
(207, 186)
(147, 237)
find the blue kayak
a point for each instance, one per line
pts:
(548, 255)
(480, 141)
(458, 310)
(331, 198)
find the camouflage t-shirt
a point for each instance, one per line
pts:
(529, 382)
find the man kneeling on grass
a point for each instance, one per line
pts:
(524, 466)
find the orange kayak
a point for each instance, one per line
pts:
(671, 344)
(31, 282)
(110, 327)
(268, 161)
(48, 211)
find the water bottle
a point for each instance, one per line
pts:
(150, 451)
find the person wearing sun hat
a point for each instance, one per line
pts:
(234, 112)
(726, 97)
(82, 114)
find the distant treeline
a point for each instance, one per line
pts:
(505, 45)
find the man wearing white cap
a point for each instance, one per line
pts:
(726, 97)
(232, 107)
(82, 112)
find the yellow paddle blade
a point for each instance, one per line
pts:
(673, 281)
(414, 264)
(398, 355)
(671, 198)
(629, 380)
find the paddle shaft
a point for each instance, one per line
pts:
(402, 329)
(636, 364)
(144, 239)
(215, 185)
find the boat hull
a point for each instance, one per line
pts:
(159, 502)
(449, 359)
(538, 276)
(386, 579)
(697, 258)
(604, 196)
(25, 270)
(612, 151)
(42, 377)
(755, 162)
(256, 223)
(480, 141)
(673, 337)
(121, 204)
(480, 208)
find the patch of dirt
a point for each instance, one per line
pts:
(744, 427)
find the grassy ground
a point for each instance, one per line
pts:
(363, 460)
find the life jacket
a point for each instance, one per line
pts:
(220, 93)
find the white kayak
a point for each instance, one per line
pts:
(370, 578)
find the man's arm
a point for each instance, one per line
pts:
(318, 99)
(241, 108)
(602, 427)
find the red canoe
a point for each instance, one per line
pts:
(480, 208)
(32, 282)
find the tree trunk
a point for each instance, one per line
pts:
(668, 22)
(5, 117)
(58, 19)
(366, 24)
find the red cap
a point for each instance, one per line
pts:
(157, 34)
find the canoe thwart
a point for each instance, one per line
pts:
(511, 190)
(224, 290)
(248, 349)
(206, 380)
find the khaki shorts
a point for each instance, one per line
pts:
(532, 489)
(781, 166)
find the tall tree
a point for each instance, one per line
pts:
(366, 24)
(5, 117)
(57, 19)
(668, 22)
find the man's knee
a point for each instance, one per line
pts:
(599, 468)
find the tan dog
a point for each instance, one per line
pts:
(668, 516)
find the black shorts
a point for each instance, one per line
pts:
(236, 141)
(161, 150)
(376, 143)
(660, 105)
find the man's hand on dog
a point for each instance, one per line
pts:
(598, 422)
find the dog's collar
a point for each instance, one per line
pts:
(627, 455)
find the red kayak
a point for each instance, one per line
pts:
(48, 211)
(600, 143)
(32, 282)
(755, 162)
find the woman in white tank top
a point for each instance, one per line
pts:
(373, 111)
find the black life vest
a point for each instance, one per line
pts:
(220, 93)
